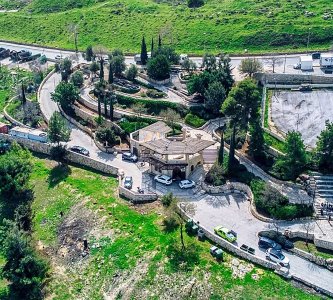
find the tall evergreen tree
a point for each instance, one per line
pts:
(112, 100)
(24, 99)
(324, 149)
(101, 70)
(159, 41)
(152, 47)
(89, 53)
(144, 55)
(221, 150)
(110, 79)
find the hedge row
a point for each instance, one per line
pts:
(153, 107)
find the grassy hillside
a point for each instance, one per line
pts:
(220, 25)
(129, 249)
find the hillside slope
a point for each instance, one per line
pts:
(227, 25)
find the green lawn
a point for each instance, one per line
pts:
(311, 248)
(130, 239)
(220, 25)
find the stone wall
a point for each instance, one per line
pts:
(77, 158)
(292, 79)
(10, 118)
(136, 197)
(326, 244)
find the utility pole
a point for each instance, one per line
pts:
(285, 60)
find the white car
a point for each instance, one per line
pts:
(167, 180)
(277, 257)
(297, 66)
(186, 184)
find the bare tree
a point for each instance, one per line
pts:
(74, 31)
(171, 118)
(100, 51)
(273, 61)
(182, 210)
(139, 108)
(308, 226)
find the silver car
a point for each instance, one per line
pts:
(277, 257)
(186, 184)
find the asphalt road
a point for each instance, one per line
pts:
(286, 66)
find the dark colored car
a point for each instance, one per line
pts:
(266, 243)
(129, 156)
(316, 55)
(277, 237)
(80, 150)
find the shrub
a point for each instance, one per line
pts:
(152, 93)
(170, 223)
(167, 199)
(153, 107)
(131, 72)
(77, 78)
(106, 135)
(194, 120)
(215, 176)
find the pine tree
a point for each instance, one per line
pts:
(99, 105)
(112, 100)
(159, 41)
(144, 55)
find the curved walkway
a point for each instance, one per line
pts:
(78, 137)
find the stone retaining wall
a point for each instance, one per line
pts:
(292, 79)
(77, 158)
(136, 197)
(10, 118)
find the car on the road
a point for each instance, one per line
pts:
(316, 55)
(225, 233)
(58, 57)
(80, 150)
(167, 180)
(129, 156)
(128, 182)
(186, 184)
(266, 243)
(277, 257)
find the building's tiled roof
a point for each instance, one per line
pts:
(186, 146)
(158, 127)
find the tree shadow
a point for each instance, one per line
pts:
(58, 174)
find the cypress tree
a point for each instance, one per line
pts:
(24, 99)
(144, 55)
(159, 41)
(110, 80)
(152, 47)
(101, 70)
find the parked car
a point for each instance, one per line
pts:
(277, 237)
(216, 252)
(186, 184)
(297, 66)
(225, 233)
(80, 150)
(277, 257)
(129, 156)
(128, 182)
(58, 57)
(316, 55)
(266, 243)
(167, 180)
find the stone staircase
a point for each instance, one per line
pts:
(323, 186)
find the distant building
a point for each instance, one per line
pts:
(174, 156)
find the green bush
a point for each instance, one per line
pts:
(152, 93)
(194, 120)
